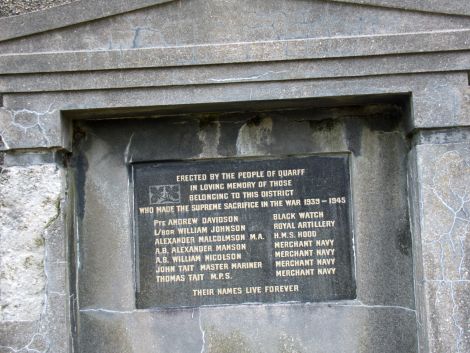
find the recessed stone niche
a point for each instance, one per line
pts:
(172, 258)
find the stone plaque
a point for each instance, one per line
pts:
(243, 231)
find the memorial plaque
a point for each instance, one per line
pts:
(243, 231)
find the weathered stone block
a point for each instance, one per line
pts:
(29, 202)
(445, 196)
(34, 128)
(444, 218)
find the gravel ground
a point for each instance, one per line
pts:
(18, 7)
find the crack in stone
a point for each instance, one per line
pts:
(38, 115)
(203, 333)
(376, 306)
(354, 304)
(458, 214)
(108, 311)
(47, 293)
(448, 235)
(454, 319)
(450, 285)
(27, 346)
(198, 312)
(128, 158)
(247, 78)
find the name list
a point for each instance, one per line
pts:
(239, 231)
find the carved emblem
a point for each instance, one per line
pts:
(164, 194)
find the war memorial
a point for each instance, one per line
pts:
(213, 176)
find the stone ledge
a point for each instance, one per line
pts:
(32, 157)
(44, 123)
(236, 73)
(243, 52)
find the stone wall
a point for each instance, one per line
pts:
(114, 59)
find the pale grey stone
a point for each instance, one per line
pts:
(442, 136)
(444, 233)
(445, 196)
(36, 128)
(374, 188)
(177, 24)
(229, 73)
(338, 328)
(251, 329)
(29, 200)
(444, 103)
(243, 52)
(32, 158)
(209, 136)
(456, 7)
(254, 137)
(51, 131)
(52, 16)
(448, 316)
(15, 335)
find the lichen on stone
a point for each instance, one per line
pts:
(28, 205)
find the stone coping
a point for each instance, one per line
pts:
(237, 73)
(245, 52)
(67, 15)
(89, 10)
